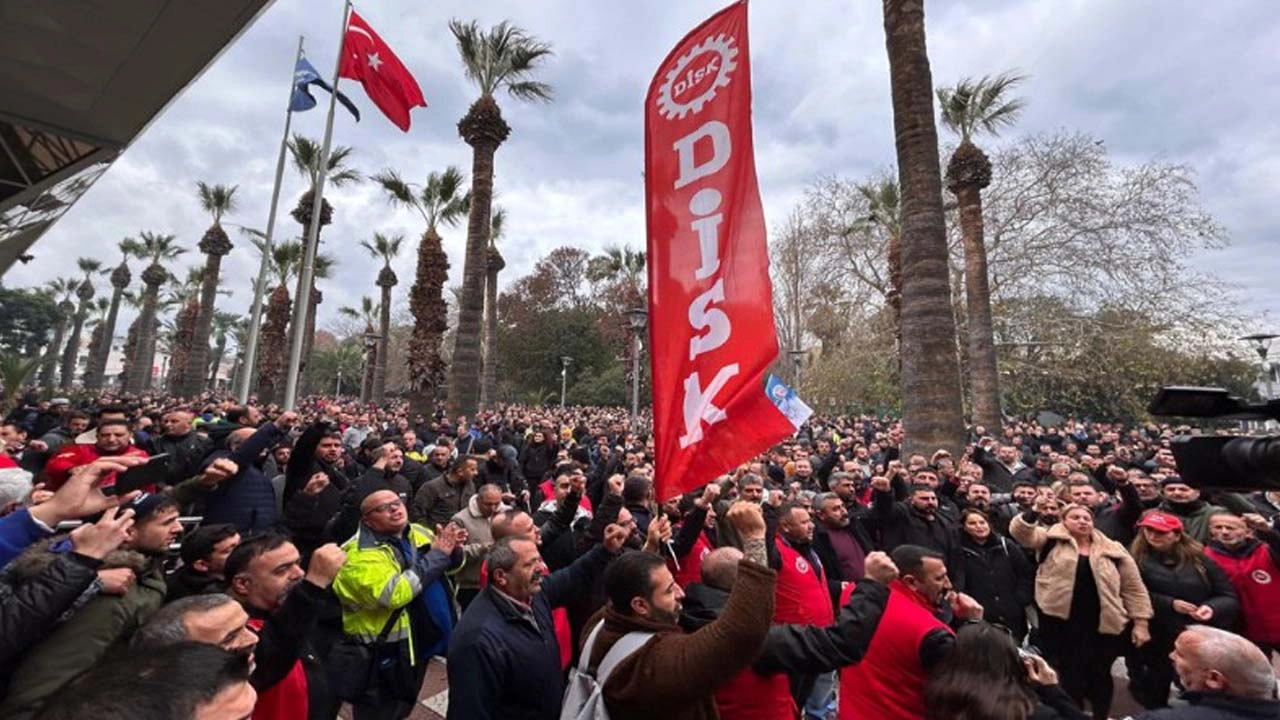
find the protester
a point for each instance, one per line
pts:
(204, 556)
(1185, 587)
(113, 439)
(1090, 596)
(1247, 549)
(475, 519)
(440, 499)
(211, 618)
(394, 598)
(996, 573)
(1225, 676)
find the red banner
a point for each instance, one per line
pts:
(710, 301)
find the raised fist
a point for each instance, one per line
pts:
(748, 519)
(326, 561)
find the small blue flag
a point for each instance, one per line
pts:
(304, 76)
(787, 401)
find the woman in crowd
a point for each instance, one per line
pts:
(1089, 593)
(1186, 587)
(538, 457)
(983, 678)
(997, 573)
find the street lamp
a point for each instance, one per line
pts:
(637, 316)
(797, 356)
(564, 376)
(1261, 343)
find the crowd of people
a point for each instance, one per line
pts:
(171, 559)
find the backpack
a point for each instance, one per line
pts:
(584, 698)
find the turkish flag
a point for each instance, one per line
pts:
(365, 57)
(710, 300)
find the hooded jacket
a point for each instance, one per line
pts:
(479, 539)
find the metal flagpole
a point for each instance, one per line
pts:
(249, 362)
(313, 233)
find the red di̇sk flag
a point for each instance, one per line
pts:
(710, 300)
(365, 57)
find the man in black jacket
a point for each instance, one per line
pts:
(186, 449)
(841, 541)
(914, 521)
(284, 606)
(204, 557)
(315, 479)
(1226, 678)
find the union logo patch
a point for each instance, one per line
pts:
(1262, 577)
(801, 565)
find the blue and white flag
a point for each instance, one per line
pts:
(787, 401)
(304, 76)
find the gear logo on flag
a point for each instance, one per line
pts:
(706, 77)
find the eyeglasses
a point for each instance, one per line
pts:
(386, 506)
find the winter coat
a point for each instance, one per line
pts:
(32, 602)
(502, 666)
(185, 582)
(899, 524)
(288, 673)
(247, 499)
(18, 530)
(674, 674)
(479, 539)
(1117, 521)
(83, 639)
(1001, 477)
(439, 500)
(537, 460)
(186, 454)
(1194, 516)
(306, 516)
(999, 576)
(1166, 582)
(75, 455)
(1121, 594)
(1252, 568)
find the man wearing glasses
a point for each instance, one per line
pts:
(394, 596)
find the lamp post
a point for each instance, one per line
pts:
(1261, 343)
(564, 376)
(797, 356)
(637, 316)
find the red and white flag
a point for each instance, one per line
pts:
(387, 82)
(710, 300)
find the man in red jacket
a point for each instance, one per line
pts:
(1250, 562)
(113, 439)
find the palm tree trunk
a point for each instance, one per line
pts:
(145, 356)
(932, 411)
(67, 372)
(384, 348)
(129, 356)
(219, 350)
(984, 376)
(93, 375)
(49, 365)
(274, 345)
(464, 375)
(184, 332)
(489, 378)
(430, 321)
(366, 377)
(193, 380)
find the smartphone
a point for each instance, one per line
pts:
(140, 476)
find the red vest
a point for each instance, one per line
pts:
(752, 696)
(1256, 580)
(802, 596)
(559, 617)
(287, 699)
(691, 564)
(889, 682)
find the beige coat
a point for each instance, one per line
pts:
(1121, 593)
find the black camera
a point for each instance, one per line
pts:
(1227, 462)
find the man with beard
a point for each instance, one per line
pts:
(1184, 501)
(284, 604)
(315, 480)
(916, 521)
(1248, 550)
(504, 659)
(803, 597)
(84, 638)
(186, 449)
(1005, 468)
(113, 439)
(840, 541)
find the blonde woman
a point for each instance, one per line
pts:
(1090, 594)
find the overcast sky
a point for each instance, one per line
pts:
(1155, 79)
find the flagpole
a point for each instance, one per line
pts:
(249, 363)
(313, 233)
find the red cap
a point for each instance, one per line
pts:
(1164, 522)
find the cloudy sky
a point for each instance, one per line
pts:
(1154, 79)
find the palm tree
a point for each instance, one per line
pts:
(217, 200)
(120, 279)
(439, 201)
(306, 153)
(504, 58)
(186, 297)
(84, 292)
(621, 264)
(386, 248)
(494, 265)
(884, 211)
(63, 289)
(224, 323)
(971, 107)
(14, 372)
(286, 262)
(367, 313)
(158, 249)
(97, 319)
(931, 407)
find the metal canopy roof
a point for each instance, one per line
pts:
(79, 80)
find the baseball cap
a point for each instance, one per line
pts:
(1164, 522)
